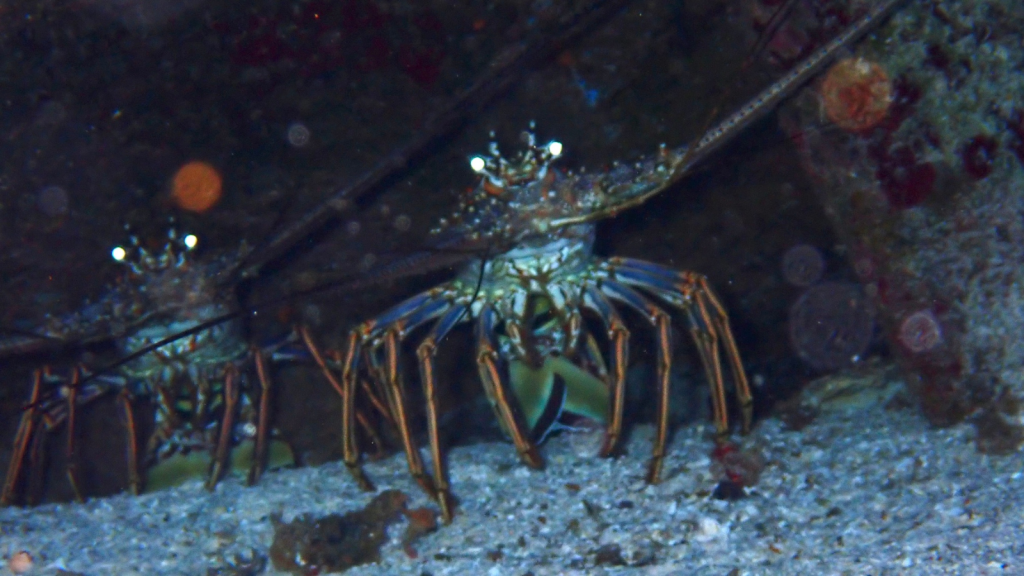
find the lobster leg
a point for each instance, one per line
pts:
(347, 389)
(691, 293)
(374, 388)
(706, 339)
(388, 330)
(487, 358)
(134, 477)
(663, 337)
(425, 352)
(21, 441)
(368, 428)
(259, 453)
(227, 424)
(167, 418)
(36, 468)
(719, 319)
(318, 358)
(72, 464)
(618, 335)
(397, 397)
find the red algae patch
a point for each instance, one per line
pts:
(856, 94)
(920, 332)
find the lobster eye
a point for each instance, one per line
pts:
(555, 148)
(190, 241)
(477, 163)
(118, 253)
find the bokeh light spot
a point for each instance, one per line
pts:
(831, 325)
(197, 187)
(920, 332)
(53, 201)
(802, 265)
(298, 134)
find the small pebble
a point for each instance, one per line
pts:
(20, 562)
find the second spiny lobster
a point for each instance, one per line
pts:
(203, 385)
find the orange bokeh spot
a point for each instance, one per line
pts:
(856, 94)
(196, 187)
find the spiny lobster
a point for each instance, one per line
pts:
(530, 294)
(200, 383)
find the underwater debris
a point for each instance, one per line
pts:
(250, 564)
(729, 491)
(332, 543)
(795, 414)
(741, 467)
(609, 555)
(867, 387)
(298, 135)
(53, 201)
(422, 521)
(905, 179)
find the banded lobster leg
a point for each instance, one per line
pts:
(709, 328)
(661, 321)
(378, 341)
(488, 361)
(259, 454)
(48, 411)
(232, 382)
(61, 406)
(337, 359)
(29, 420)
(425, 353)
(69, 448)
(364, 343)
(349, 445)
(134, 476)
(618, 336)
(204, 399)
(227, 425)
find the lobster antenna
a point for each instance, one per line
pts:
(416, 263)
(479, 282)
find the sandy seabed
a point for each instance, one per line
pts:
(869, 491)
